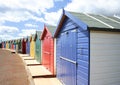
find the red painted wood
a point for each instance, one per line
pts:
(13, 46)
(48, 50)
(23, 46)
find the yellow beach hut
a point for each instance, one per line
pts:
(32, 45)
(7, 45)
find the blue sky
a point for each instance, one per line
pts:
(20, 18)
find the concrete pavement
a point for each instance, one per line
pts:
(12, 69)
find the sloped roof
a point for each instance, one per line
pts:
(28, 38)
(98, 21)
(19, 40)
(50, 28)
(32, 37)
(38, 34)
(90, 21)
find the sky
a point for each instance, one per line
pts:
(21, 18)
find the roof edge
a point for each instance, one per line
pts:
(72, 17)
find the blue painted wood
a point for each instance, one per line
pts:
(28, 47)
(68, 27)
(81, 24)
(83, 57)
(74, 45)
(66, 47)
(66, 22)
(4, 44)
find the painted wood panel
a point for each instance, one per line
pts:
(7, 45)
(38, 50)
(28, 47)
(105, 58)
(32, 48)
(81, 55)
(23, 46)
(38, 46)
(48, 49)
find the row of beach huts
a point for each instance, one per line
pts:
(84, 49)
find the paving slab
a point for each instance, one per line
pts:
(28, 58)
(40, 74)
(39, 71)
(23, 55)
(47, 81)
(31, 62)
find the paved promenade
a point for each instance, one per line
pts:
(21, 69)
(13, 70)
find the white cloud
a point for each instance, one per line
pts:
(6, 32)
(37, 18)
(15, 16)
(52, 17)
(21, 10)
(6, 37)
(34, 5)
(31, 25)
(58, 0)
(108, 7)
(26, 32)
(7, 29)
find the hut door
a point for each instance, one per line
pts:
(46, 51)
(28, 47)
(68, 57)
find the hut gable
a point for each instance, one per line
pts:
(37, 35)
(50, 29)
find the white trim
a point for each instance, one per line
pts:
(55, 56)
(117, 17)
(66, 59)
(110, 19)
(41, 52)
(99, 20)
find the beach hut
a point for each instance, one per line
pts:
(24, 45)
(10, 44)
(47, 40)
(28, 45)
(32, 46)
(88, 49)
(7, 45)
(16, 45)
(2, 44)
(20, 45)
(38, 46)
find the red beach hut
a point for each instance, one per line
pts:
(23, 46)
(48, 48)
